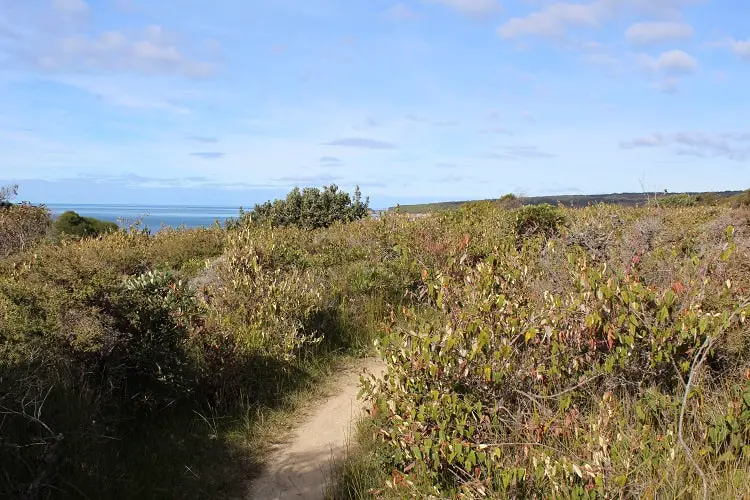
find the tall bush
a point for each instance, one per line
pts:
(312, 208)
(20, 224)
(73, 224)
(543, 219)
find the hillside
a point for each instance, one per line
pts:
(530, 352)
(569, 200)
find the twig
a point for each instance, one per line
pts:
(700, 358)
(697, 362)
(6, 411)
(561, 393)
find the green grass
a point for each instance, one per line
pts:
(363, 470)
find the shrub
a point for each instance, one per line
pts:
(740, 200)
(7, 193)
(509, 201)
(543, 219)
(531, 395)
(312, 208)
(20, 226)
(675, 200)
(71, 224)
(707, 199)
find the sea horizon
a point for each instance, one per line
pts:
(152, 216)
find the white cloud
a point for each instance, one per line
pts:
(647, 33)
(650, 141)
(555, 19)
(471, 7)
(742, 48)
(739, 47)
(130, 93)
(400, 12)
(153, 52)
(668, 68)
(361, 142)
(673, 62)
(73, 6)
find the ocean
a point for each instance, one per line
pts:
(153, 216)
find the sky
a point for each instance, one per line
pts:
(228, 102)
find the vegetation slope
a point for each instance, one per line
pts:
(533, 351)
(731, 198)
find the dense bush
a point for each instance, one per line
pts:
(71, 224)
(312, 208)
(541, 219)
(111, 348)
(675, 200)
(540, 352)
(740, 200)
(20, 224)
(550, 369)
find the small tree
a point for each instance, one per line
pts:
(312, 208)
(70, 223)
(7, 193)
(20, 224)
(543, 219)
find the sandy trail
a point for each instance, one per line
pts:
(297, 470)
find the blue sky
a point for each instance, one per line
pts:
(229, 102)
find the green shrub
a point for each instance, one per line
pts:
(71, 224)
(541, 219)
(740, 200)
(525, 395)
(675, 200)
(21, 226)
(707, 199)
(312, 208)
(518, 367)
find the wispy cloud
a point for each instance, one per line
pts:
(361, 142)
(208, 155)
(729, 145)
(74, 6)
(739, 47)
(650, 141)
(527, 152)
(496, 130)
(153, 50)
(135, 180)
(528, 116)
(471, 7)
(668, 68)
(330, 161)
(400, 12)
(308, 179)
(438, 123)
(368, 123)
(648, 33)
(516, 153)
(672, 62)
(204, 139)
(555, 19)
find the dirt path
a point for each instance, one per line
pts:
(297, 470)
